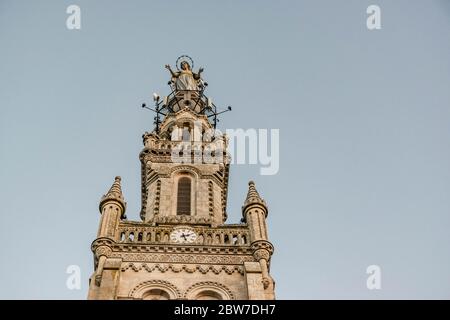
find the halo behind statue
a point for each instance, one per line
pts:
(184, 58)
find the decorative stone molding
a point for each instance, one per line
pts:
(101, 242)
(211, 199)
(204, 269)
(262, 244)
(142, 226)
(220, 182)
(138, 291)
(126, 248)
(223, 196)
(184, 258)
(190, 169)
(261, 254)
(157, 197)
(181, 219)
(199, 287)
(102, 251)
(262, 249)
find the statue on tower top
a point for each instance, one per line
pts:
(185, 78)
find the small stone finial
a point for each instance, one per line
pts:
(253, 197)
(114, 193)
(252, 194)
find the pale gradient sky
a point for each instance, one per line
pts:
(364, 133)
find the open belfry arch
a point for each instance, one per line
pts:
(182, 248)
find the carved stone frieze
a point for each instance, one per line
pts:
(189, 268)
(262, 244)
(183, 258)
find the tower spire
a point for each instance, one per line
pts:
(114, 194)
(253, 197)
(254, 213)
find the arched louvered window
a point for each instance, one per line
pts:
(184, 196)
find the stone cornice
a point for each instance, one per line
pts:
(115, 247)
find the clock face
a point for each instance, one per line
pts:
(183, 236)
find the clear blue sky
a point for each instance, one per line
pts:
(364, 133)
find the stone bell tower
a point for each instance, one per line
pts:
(182, 248)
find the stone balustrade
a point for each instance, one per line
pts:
(205, 236)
